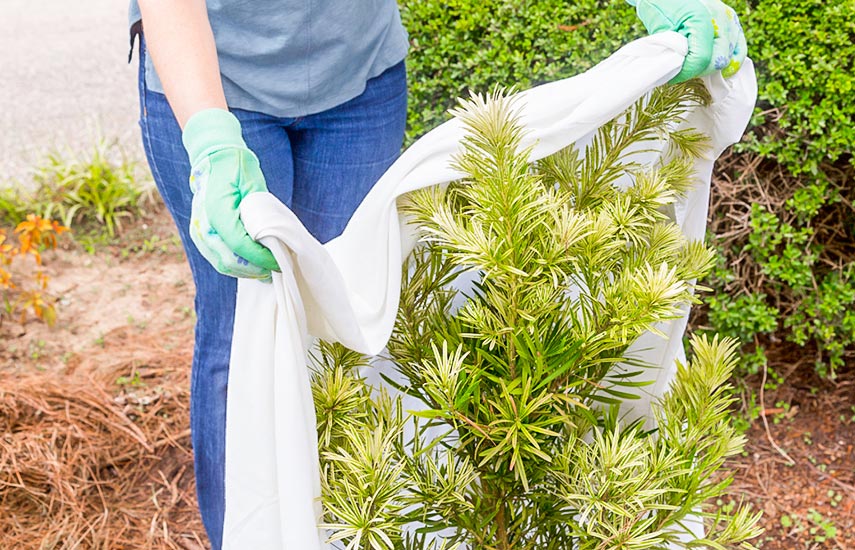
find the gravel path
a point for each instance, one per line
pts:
(64, 80)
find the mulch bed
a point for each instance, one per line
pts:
(86, 462)
(799, 464)
(99, 457)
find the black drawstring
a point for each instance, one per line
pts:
(136, 30)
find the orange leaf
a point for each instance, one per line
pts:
(42, 279)
(37, 232)
(58, 228)
(6, 279)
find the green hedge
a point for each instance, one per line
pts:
(462, 45)
(806, 53)
(804, 50)
(798, 257)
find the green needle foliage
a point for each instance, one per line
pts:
(520, 443)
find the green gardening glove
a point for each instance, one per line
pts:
(716, 40)
(224, 171)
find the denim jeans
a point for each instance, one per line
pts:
(321, 166)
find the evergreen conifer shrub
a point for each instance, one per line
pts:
(519, 442)
(788, 254)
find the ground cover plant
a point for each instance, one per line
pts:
(521, 443)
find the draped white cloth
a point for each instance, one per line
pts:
(348, 289)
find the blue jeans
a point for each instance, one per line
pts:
(321, 166)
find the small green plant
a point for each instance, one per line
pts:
(744, 318)
(132, 381)
(823, 529)
(93, 194)
(36, 347)
(520, 443)
(749, 411)
(153, 244)
(813, 523)
(834, 498)
(785, 412)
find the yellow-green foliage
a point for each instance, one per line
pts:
(523, 379)
(91, 194)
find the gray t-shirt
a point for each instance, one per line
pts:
(292, 58)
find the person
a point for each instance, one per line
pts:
(307, 100)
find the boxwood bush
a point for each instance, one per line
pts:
(804, 49)
(458, 45)
(794, 255)
(806, 53)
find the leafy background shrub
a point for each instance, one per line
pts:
(806, 53)
(783, 218)
(804, 49)
(782, 207)
(458, 45)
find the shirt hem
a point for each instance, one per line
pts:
(247, 103)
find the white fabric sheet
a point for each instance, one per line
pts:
(348, 289)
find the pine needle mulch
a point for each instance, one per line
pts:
(99, 457)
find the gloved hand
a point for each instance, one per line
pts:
(224, 171)
(716, 40)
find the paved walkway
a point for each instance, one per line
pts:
(64, 80)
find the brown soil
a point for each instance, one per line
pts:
(801, 470)
(121, 351)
